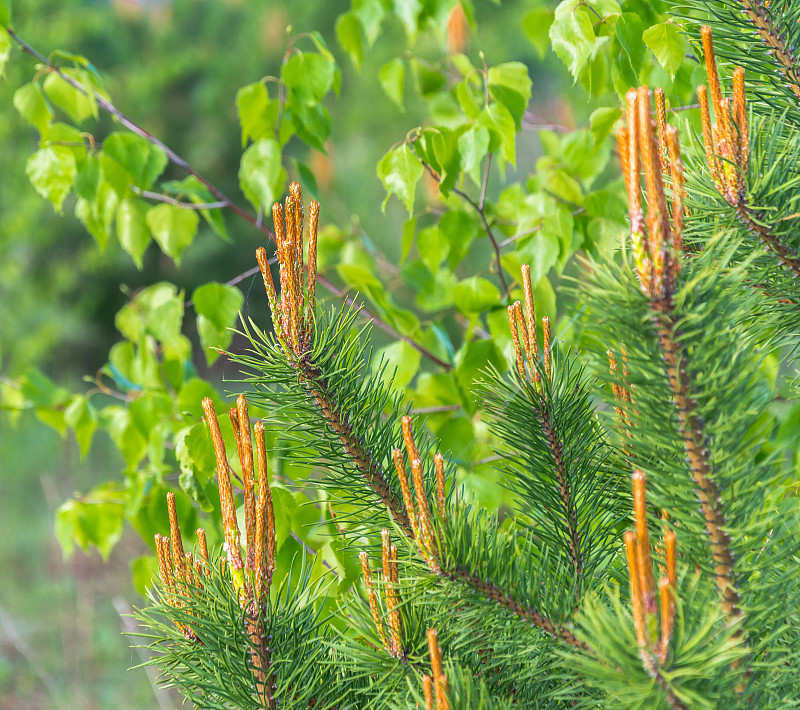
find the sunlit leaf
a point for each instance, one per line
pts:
(52, 171)
(132, 231)
(173, 228)
(668, 44)
(572, 36)
(400, 172)
(261, 174)
(217, 306)
(392, 77)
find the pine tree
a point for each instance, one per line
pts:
(651, 561)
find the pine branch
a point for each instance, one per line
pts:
(554, 455)
(334, 405)
(363, 459)
(658, 254)
(760, 18)
(493, 593)
(751, 219)
(727, 146)
(696, 446)
(570, 515)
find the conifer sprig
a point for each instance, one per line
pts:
(765, 38)
(727, 145)
(326, 360)
(554, 455)
(658, 258)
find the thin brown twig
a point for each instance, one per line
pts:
(177, 203)
(533, 230)
(482, 214)
(134, 127)
(382, 325)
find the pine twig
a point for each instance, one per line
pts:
(759, 17)
(658, 254)
(533, 616)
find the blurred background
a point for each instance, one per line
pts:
(173, 66)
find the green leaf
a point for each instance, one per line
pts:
(199, 194)
(173, 228)
(157, 310)
(143, 160)
(469, 99)
(668, 44)
(409, 12)
(572, 36)
(253, 104)
(502, 130)
(40, 391)
(392, 77)
(311, 122)
(52, 171)
(5, 49)
(309, 75)
(536, 25)
(629, 30)
(448, 158)
(471, 359)
(98, 519)
(540, 252)
(433, 247)
(191, 395)
(144, 571)
(89, 178)
(261, 174)
(132, 231)
(580, 156)
(217, 306)
(429, 81)
(307, 179)
(97, 215)
(5, 13)
(116, 420)
(71, 101)
(510, 84)
(460, 229)
(473, 145)
(400, 171)
(475, 295)
(402, 362)
(81, 418)
(602, 123)
(370, 13)
(351, 37)
(148, 410)
(285, 507)
(30, 104)
(195, 454)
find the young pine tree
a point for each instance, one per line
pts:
(652, 558)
